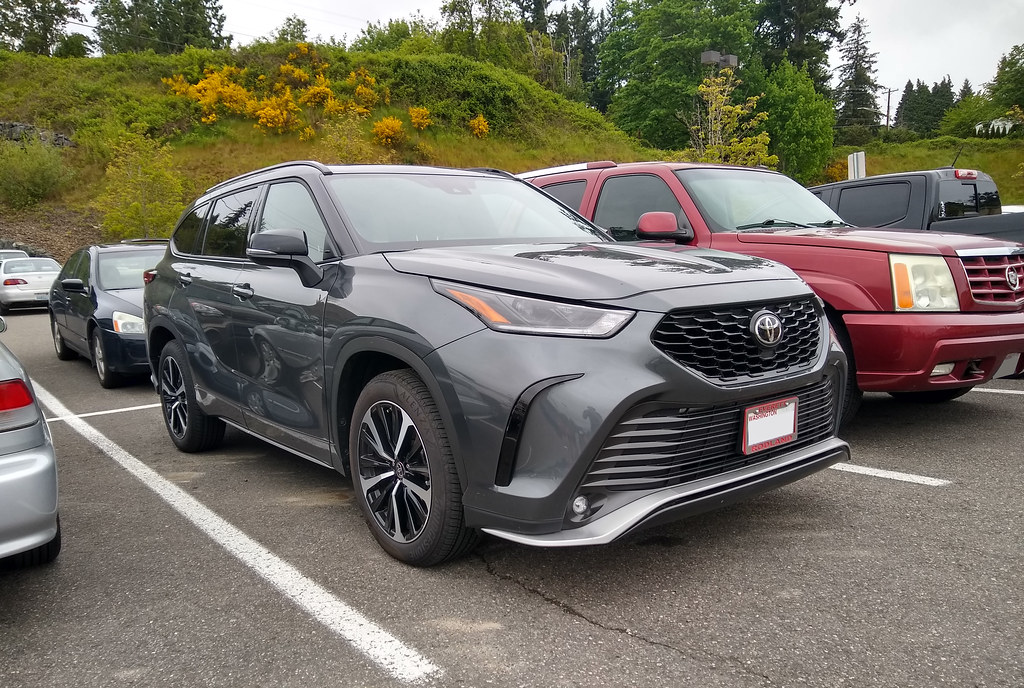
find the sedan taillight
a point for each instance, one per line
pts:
(12, 281)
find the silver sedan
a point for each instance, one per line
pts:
(26, 282)
(29, 523)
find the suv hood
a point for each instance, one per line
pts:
(586, 272)
(888, 240)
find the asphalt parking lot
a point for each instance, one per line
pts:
(247, 566)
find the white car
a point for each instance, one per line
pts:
(29, 524)
(26, 282)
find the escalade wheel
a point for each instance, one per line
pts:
(190, 429)
(404, 473)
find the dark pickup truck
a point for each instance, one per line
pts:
(946, 200)
(924, 316)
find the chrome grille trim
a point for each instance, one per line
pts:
(987, 277)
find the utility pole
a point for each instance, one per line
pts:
(888, 104)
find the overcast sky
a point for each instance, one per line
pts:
(914, 39)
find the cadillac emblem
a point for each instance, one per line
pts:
(1012, 278)
(766, 328)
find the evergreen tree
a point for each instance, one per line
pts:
(966, 91)
(1007, 89)
(164, 26)
(857, 102)
(802, 32)
(902, 118)
(293, 30)
(126, 27)
(36, 26)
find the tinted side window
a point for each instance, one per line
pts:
(69, 267)
(229, 224)
(988, 198)
(82, 269)
(290, 206)
(957, 198)
(184, 239)
(876, 205)
(570, 193)
(625, 198)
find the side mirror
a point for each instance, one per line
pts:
(72, 284)
(285, 248)
(661, 225)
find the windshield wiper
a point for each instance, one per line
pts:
(772, 222)
(832, 223)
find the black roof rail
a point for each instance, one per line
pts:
(319, 166)
(492, 170)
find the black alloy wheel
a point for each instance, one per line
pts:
(190, 429)
(404, 473)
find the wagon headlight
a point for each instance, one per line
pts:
(126, 323)
(525, 315)
(922, 283)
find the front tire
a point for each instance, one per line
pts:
(404, 474)
(59, 345)
(190, 429)
(108, 378)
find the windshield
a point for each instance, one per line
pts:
(731, 199)
(14, 266)
(123, 269)
(403, 210)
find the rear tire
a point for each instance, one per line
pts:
(935, 396)
(189, 428)
(59, 345)
(404, 474)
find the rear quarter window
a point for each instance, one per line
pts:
(569, 193)
(875, 205)
(184, 239)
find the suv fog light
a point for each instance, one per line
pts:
(580, 505)
(942, 369)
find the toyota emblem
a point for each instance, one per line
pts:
(1012, 278)
(766, 328)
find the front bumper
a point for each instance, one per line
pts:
(897, 352)
(28, 491)
(125, 353)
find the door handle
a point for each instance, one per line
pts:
(184, 279)
(242, 291)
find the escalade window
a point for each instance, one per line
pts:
(570, 193)
(876, 205)
(229, 223)
(625, 198)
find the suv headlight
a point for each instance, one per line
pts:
(525, 315)
(922, 283)
(126, 323)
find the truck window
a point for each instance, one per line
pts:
(570, 193)
(957, 198)
(875, 205)
(625, 198)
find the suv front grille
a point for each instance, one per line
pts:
(651, 449)
(718, 343)
(987, 277)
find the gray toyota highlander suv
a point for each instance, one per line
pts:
(479, 358)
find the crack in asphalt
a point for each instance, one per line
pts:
(573, 611)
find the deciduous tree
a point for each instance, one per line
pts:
(800, 122)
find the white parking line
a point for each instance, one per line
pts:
(891, 475)
(997, 391)
(102, 413)
(390, 653)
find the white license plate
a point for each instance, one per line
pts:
(769, 425)
(1008, 366)
(42, 296)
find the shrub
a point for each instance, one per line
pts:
(343, 141)
(478, 125)
(420, 117)
(388, 132)
(30, 172)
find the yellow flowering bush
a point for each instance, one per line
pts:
(478, 125)
(388, 131)
(318, 94)
(420, 117)
(277, 113)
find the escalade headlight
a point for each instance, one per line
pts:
(922, 283)
(126, 323)
(525, 315)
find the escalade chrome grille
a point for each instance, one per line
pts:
(987, 276)
(718, 343)
(655, 448)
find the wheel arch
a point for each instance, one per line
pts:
(362, 360)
